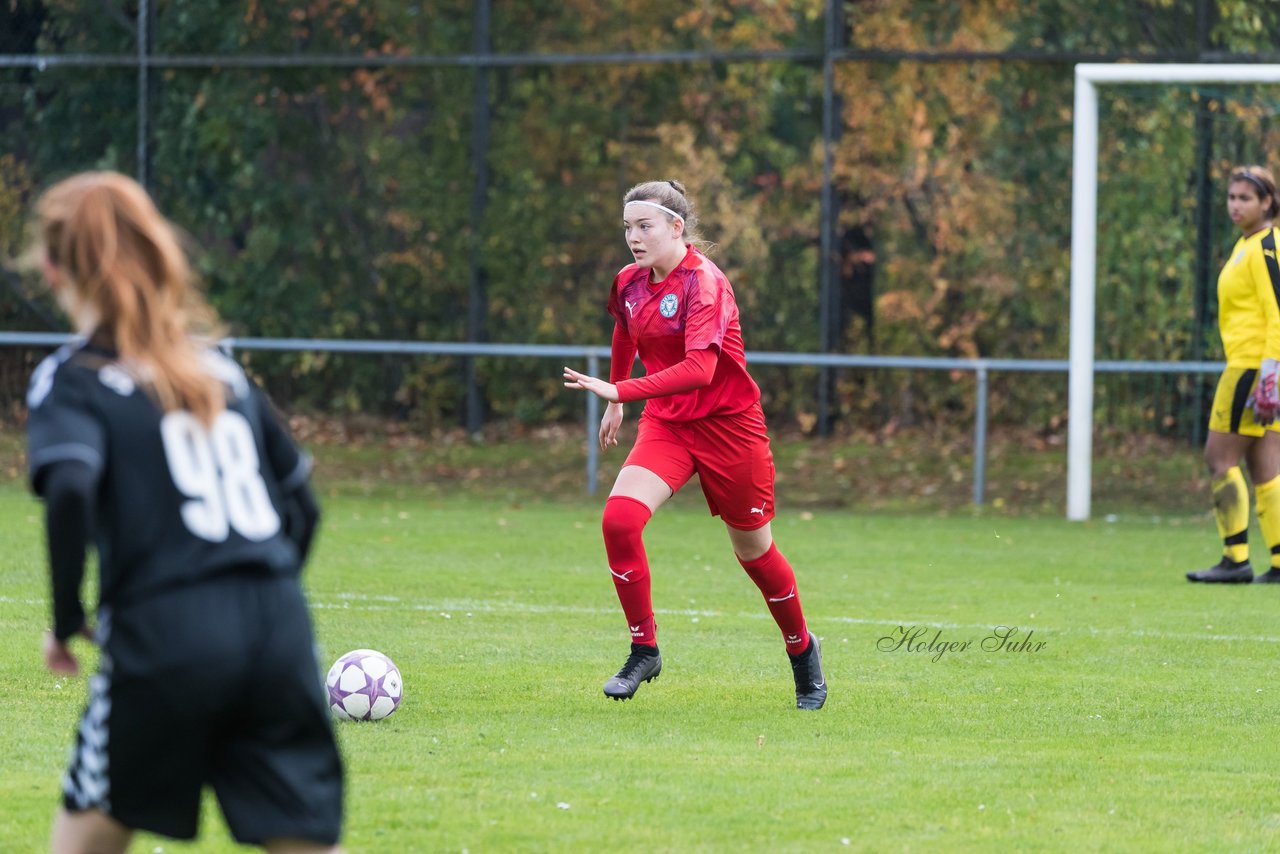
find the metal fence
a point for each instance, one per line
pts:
(595, 356)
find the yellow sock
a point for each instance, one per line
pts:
(1269, 516)
(1231, 510)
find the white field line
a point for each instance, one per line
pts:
(448, 608)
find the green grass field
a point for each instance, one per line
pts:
(1143, 723)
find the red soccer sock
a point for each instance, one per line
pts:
(776, 580)
(624, 521)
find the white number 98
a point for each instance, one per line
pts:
(218, 471)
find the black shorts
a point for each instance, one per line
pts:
(215, 684)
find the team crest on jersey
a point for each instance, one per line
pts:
(669, 305)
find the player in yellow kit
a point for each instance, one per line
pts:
(1245, 406)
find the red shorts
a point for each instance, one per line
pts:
(730, 454)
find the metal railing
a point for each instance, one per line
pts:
(594, 356)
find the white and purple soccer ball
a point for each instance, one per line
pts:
(364, 685)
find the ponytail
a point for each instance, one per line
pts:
(126, 269)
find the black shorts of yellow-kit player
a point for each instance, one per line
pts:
(1231, 412)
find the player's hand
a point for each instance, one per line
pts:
(58, 657)
(595, 385)
(1265, 399)
(609, 425)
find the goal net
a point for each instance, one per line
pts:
(1132, 244)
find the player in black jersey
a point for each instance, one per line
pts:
(148, 442)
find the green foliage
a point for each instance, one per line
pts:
(337, 201)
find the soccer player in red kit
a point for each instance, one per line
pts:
(677, 310)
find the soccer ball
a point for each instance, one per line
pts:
(364, 685)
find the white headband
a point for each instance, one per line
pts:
(663, 208)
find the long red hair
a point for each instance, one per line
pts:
(123, 262)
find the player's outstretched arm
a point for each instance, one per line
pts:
(694, 371)
(595, 385)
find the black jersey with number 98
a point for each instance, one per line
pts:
(176, 501)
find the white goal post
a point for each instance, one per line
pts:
(1084, 225)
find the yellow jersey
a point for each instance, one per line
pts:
(1249, 301)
